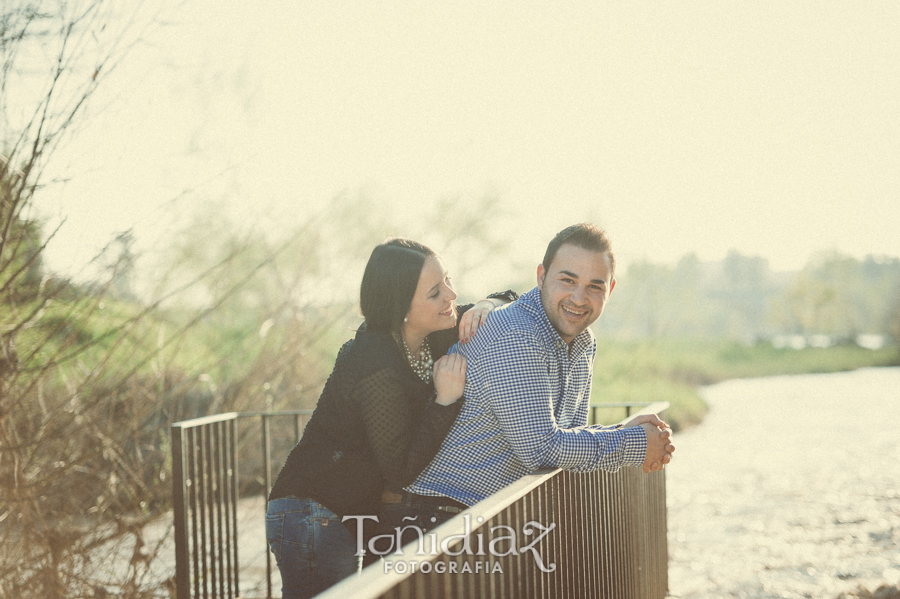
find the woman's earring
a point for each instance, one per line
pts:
(405, 319)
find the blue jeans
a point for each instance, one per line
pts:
(311, 546)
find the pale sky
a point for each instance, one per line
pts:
(772, 128)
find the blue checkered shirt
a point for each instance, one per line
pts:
(526, 402)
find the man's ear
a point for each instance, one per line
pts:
(611, 287)
(540, 276)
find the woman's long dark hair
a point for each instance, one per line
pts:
(389, 283)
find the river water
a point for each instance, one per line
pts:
(789, 488)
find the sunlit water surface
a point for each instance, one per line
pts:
(789, 488)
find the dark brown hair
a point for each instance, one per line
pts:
(585, 236)
(389, 283)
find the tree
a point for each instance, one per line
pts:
(744, 286)
(74, 464)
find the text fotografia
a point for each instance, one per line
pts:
(496, 545)
(426, 567)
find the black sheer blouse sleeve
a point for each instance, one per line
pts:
(404, 434)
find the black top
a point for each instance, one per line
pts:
(376, 426)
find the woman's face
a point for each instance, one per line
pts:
(433, 306)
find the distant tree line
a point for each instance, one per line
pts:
(834, 297)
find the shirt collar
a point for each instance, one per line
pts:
(531, 303)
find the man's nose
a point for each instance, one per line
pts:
(577, 295)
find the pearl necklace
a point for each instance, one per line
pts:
(422, 364)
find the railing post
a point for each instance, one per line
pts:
(233, 492)
(220, 581)
(179, 508)
(210, 493)
(268, 487)
(192, 503)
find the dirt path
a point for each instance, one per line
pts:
(790, 488)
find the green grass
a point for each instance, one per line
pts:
(673, 370)
(81, 336)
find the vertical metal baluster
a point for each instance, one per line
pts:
(635, 504)
(578, 492)
(643, 540)
(664, 530)
(267, 473)
(514, 578)
(626, 542)
(233, 490)
(195, 524)
(579, 498)
(593, 501)
(521, 512)
(482, 586)
(209, 448)
(220, 536)
(225, 485)
(605, 538)
(553, 508)
(560, 505)
(638, 534)
(664, 561)
(499, 584)
(201, 503)
(654, 532)
(536, 502)
(659, 529)
(560, 508)
(618, 547)
(585, 497)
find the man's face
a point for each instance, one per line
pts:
(574, 289)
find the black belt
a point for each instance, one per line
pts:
(442, 504)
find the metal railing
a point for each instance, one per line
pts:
(590, 535)
(205, 500)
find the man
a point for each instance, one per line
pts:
(528, 387)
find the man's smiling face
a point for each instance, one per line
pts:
(574, 289)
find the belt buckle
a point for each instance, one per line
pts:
(391, 497)
(450, 509)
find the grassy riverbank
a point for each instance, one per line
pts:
(673, 370)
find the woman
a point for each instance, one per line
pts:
(387, 406)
